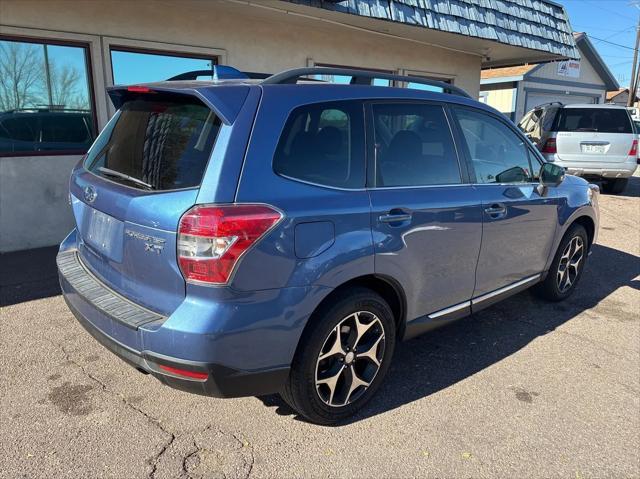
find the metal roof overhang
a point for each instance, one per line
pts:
(493, 53)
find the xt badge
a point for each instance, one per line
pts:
(151, 243)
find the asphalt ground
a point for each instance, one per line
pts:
(522, 389)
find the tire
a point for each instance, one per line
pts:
(319, 389)
(566, 267)
(614, 187)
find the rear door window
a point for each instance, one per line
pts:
(413, 145)
(601, 120)
(323, 144)
(160, 143)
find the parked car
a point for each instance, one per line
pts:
(598, 142)
(246, 237)
(45, 130)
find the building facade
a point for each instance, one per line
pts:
(62, 55)
(516, 90)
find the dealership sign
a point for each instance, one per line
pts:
(569, 68)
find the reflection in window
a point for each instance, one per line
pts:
(413, 145)
(130, 67)
(323, 144)
(498, 155)
(45, 99)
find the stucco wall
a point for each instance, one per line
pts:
(254, 38)
(34, 208)
(33, 204)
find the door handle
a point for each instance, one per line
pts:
(496, 210)
(392, 217)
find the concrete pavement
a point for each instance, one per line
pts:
(522, 389)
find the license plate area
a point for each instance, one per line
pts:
(593, 148)
(103, 233)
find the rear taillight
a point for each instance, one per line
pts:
(211, 239)
(634, 148)
(550, 146)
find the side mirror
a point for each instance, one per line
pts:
(550, 175)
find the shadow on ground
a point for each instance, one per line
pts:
(28, 275)
(632, 190)
(433, 362)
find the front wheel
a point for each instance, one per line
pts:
(567, 266)
(342, 358)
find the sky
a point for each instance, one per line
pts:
(608, 22)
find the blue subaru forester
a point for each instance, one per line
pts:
(243, 237)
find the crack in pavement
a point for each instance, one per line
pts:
(247, 463)
(171, 437)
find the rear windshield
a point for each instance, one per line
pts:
(600, 120)
(160, 143)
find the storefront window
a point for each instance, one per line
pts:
(422, 86)
(345, 79)
(131, 66)
(45, 99)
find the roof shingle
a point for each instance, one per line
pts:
(535, 24)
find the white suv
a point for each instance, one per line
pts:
(593, 141)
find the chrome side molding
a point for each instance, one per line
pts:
(488, 299)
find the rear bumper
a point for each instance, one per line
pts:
(597, 169)
(243, 347)
(221, 381)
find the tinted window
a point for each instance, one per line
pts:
(164, 143)
(413, 146)
(603, 120)
(497, 153)
(323, 144)
(65, 128)
(45, 99)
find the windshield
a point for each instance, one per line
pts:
(602, 120)
(157, 143)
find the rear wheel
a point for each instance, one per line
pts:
(342, 358)
(615, 186)
(567, 266)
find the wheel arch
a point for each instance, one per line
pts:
(388, 288)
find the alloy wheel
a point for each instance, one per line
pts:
(350, 359)
(570, 263)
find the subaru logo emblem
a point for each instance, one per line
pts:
(90, 194)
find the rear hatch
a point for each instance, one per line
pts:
(139, 177)
(603, 135)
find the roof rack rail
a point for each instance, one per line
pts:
(549, 103)
(359, 77)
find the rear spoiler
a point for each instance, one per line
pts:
(225, 100)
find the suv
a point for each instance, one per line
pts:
(244, 237)
(594, 141)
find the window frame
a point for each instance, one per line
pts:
(86, 47)
(157, 52)
(532, 154)
(146, 46)
(357, 105)
(371, 155)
